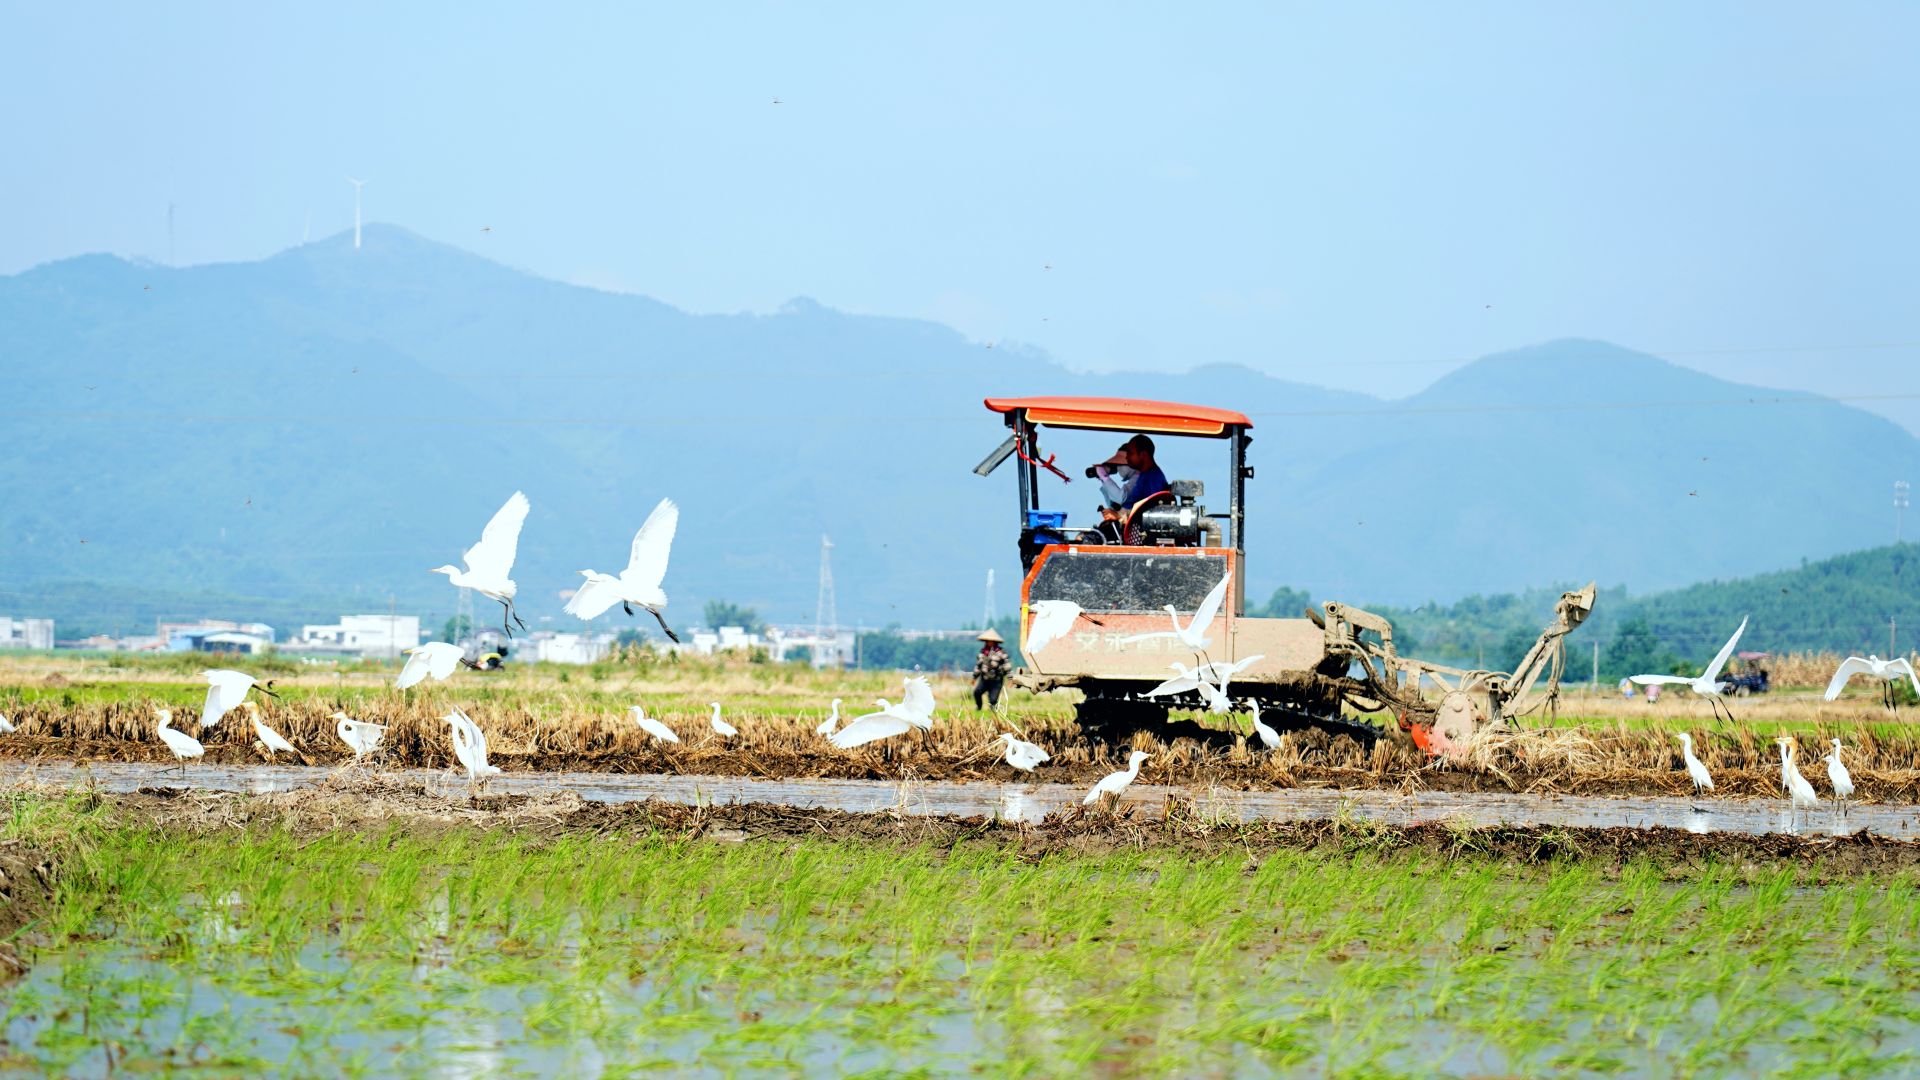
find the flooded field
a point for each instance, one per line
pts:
(1032, 802)
(303, 932)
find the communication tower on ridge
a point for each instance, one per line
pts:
(826, 622)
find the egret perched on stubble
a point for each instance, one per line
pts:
(659, 731)
(1194, 634)
(1023, 755)
(639, 583)
(721, 727)
(1053, 620)
(183, 745)
(1889, 672)
(362, 738)
(1842, 779)
(490, 562)
(1799, 793)
(1269, 738)
(832, 721)
(1708, 685)
(915, 710)
(225, 691)
(1115, 783)
(268, 737)
(1697, 772)
(6, 725)
(470, 748)
(437, 659)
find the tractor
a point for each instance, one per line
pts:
(1333, 668)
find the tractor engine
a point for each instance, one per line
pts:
(1179, 521)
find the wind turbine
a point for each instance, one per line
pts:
(357, 185)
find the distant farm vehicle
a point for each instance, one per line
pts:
(1327, 669)
(1752, 677)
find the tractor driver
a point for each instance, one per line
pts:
(1147, 477)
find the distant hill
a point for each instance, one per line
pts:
(323, 425)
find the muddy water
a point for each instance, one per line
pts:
(1033, 802)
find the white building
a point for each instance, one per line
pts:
(363, 635)
(569, 648)
(25, 633)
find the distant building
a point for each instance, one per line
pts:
(25, 633)
(232, 641)
(189, 636)
(361, 635)
(558, 648)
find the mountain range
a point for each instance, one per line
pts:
(312, 431)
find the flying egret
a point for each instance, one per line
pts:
(915, 710)
(721, 727)
(1708, 685)
(226, 690)
(362, 738)
(1023, 755)
(1887, 671)
(470, 748)
(1193, 635)
(436, 658)
(659, 731)
(1269, 738)
(1697, 772)
(1052, 620)
(639, 583)
(1184, 680)
(832, 721)
(183, 745)
(490, 561)
(1799, 793)
(1842, 779)
(1221, 672)
(1115, 783)
(269, 738)
(6, 725)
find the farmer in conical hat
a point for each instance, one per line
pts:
(990, 669)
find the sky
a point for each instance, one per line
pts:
(1353, 195)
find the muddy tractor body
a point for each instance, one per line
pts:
(1334, 667)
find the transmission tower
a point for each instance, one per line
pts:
(986, 616)
(826, 622)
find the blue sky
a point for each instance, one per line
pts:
(1351, 195)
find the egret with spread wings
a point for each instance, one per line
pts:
(1889, 672)
(1708, 685)
(640, 582)
(490, 562)
(1194, 634)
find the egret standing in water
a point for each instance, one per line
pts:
(490, 562)
(1697, 772)
(1842, 779)
(1799, 793)
(1115, 783)
(183, 745)
(640, 582)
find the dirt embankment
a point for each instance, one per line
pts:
(1176, 826)
(26, 889)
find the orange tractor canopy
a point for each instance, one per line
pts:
(1130, 580)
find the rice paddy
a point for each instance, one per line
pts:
(246, 935)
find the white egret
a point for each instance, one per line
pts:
(470, 748)
(1193, 635)
(362, 738)
(183, 745)
(914, 711)
(6, 725)
(225, 691)
(1697, 772)
(1269, 738)
(1115, 783)
(436, 659)
(1185, 679)
(832, 721)
(1053, 620)
(1799, 793)
(269, 738)
(639, 583)
(490, 562)
(1222, 672)
(721, 727)
(1842, 779)
(1888, 672)
(1708, 685)
(1023, 755)
(659, 731)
